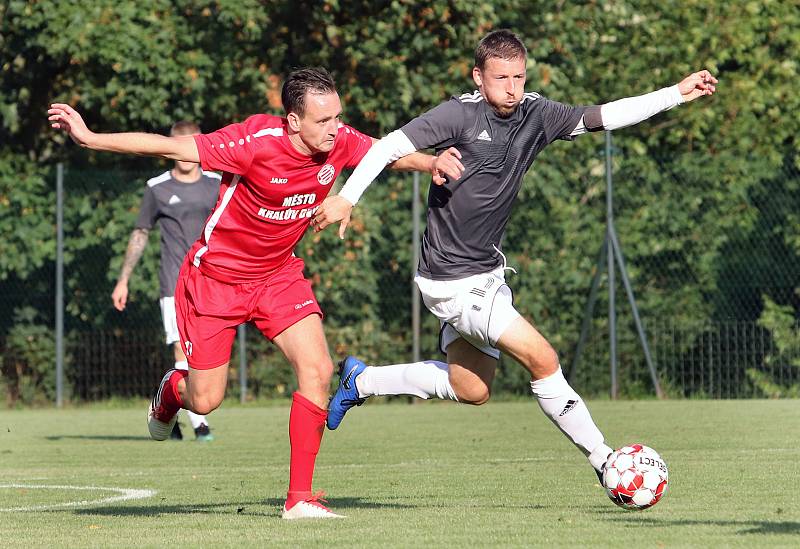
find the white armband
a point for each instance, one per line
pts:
(632, 110)
(392, 147)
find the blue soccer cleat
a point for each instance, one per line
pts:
(346, 395)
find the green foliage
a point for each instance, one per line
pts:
(28, 359)
(782, 325)
(706, 195)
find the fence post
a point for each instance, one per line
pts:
(242, 333)
(59, 285)
(612, 311)
(415, 305)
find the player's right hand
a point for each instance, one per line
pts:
(447, 164)
(697, 84)
(120, 295)
(334, 208)
(65, 118)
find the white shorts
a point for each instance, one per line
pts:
(478, 308)
(169, 319)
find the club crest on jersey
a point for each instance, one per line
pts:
(326, 174)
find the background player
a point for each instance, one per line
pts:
(276, 172)
(179, 200)
(499, 129)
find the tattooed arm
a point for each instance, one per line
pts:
(136, 246)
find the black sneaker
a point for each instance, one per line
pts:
(176, 432)
(203, 433)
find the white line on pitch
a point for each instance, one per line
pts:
(124, 495)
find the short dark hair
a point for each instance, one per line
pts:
(184, 127)
(501, 43)
(302, 81)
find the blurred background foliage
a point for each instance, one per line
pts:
(706, 194)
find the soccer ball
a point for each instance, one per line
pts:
(635, 477)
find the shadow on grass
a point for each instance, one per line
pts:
(97, 437)
(743, 526)
(249, 508)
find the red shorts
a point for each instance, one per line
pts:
(209, 311)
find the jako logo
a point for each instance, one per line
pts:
(326, 174)
(303, 304)
(279, 180)
(188, 345)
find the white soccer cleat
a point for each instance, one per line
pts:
(158, 422)
(309, 509)
(159, 430)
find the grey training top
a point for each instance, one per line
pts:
(181, 209)
(467, 218)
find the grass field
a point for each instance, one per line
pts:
(432, 474)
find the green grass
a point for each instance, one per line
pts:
(432, 474)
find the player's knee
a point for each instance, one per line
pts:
(551, 361)
(323, 372)
(316, 376)
(205, 403)
(474, 394)
(204, 407)
(326, 372)
(542, 362)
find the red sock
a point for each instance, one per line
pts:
(171, 400)
(306, 425)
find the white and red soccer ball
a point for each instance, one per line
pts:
(635, 477)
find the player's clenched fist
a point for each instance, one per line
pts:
(447, 164)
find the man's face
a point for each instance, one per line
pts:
(502, 83)
(182, 166)
(320, 123)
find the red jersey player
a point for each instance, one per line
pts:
(276, 172)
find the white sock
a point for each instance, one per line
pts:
(195, 419)
(424, 379)
(567, 410)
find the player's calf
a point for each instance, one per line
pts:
(559, 401)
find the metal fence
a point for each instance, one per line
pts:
(721, 325)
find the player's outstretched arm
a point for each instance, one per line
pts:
(632, 110)
(64, 117)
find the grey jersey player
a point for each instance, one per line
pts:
(498, 131)
(180, 201)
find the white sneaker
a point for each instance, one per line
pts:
(160, 429)
(310, 508)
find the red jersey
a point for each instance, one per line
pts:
(268, 194)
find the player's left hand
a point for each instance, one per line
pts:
(334, 208)
(64, 117)
(697, 85)
(447, 164)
